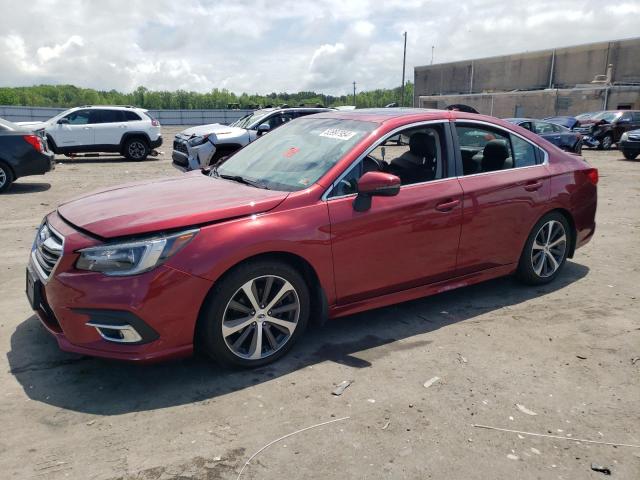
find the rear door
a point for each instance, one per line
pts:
(503, 195)
(110, 126)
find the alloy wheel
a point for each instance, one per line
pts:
(3, 177)
(549, 248)
(607, 141)
(261, 317)
(136, 150)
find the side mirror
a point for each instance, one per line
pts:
(375, 184)
(63, 121)
(263, 128)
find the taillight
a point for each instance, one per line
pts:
(35, 141)
(155, 123)
(592, 175)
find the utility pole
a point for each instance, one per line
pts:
(354, 94)
(433, 47)
(404, 62)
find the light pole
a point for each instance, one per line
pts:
(404, 61)
(354, 94)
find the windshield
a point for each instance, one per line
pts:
(297, 154)
(607, 116)
(252, 119)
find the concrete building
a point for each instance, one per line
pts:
(561, 81)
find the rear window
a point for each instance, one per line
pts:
(131, 116)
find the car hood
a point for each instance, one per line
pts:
(165, 204)
(216, 128)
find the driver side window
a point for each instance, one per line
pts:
(415, 155)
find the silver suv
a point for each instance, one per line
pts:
(199, 147)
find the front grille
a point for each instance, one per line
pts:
(180, 146)
(47, 250)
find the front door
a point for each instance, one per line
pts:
(78, 131)
(404, 241)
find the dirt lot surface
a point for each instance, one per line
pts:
(569, 352)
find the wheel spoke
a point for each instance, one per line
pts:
(553, 262)
(270, 338)
(286, 324)
(286, 287)
(229, 327)
(250, 291)
(243, 336)
(284, 308)
(536, 245)
(549, 231)
(538, 264)
(255, 350)
(267, 290)
(237, 306)
(562, 239)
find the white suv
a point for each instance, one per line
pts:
(130, 131)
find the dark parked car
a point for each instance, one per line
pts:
(22, 152)
(326, 216)
(629, 144)
(567, 122)
(557, 134)
(607, 127)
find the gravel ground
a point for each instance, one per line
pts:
(569, 352)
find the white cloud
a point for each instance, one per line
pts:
(263, 46)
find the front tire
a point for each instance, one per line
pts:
(255, 315)
(6, 177)
(629, 155)
(546, 250)
(135, 149)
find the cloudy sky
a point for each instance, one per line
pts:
(262, 46)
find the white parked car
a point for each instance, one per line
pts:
(199, 147)
(126, 130)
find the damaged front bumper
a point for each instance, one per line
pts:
(191, 153)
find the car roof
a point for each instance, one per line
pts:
(293, 109)
(110, 107)
(382, 115)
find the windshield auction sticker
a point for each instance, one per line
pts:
(338, 134)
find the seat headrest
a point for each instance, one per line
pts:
(422, 145)
(494, 155)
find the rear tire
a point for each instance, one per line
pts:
(578, 147)
(606, 142)
(630, 155)
(255, 315)
(546, 250)
(6, 177)
(136, 149)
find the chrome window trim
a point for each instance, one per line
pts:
(545, 161)
(325, 195)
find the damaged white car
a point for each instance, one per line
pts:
(198, 147)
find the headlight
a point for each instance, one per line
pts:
(134, 257)
(195, 141)
(624, 137)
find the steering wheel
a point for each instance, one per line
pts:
(381, 166)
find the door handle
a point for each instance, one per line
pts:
(533, 185)
(447, 205)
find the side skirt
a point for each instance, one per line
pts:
(422, 291)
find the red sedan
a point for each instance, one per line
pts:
(327, 216)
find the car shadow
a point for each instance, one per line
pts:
(103, 159)
(103, 387)
(21, 188)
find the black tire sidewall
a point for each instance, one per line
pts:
(128, 142)
(9, 177)
(610, 142)
(209, 330)
(525, 270)
(629, 155)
